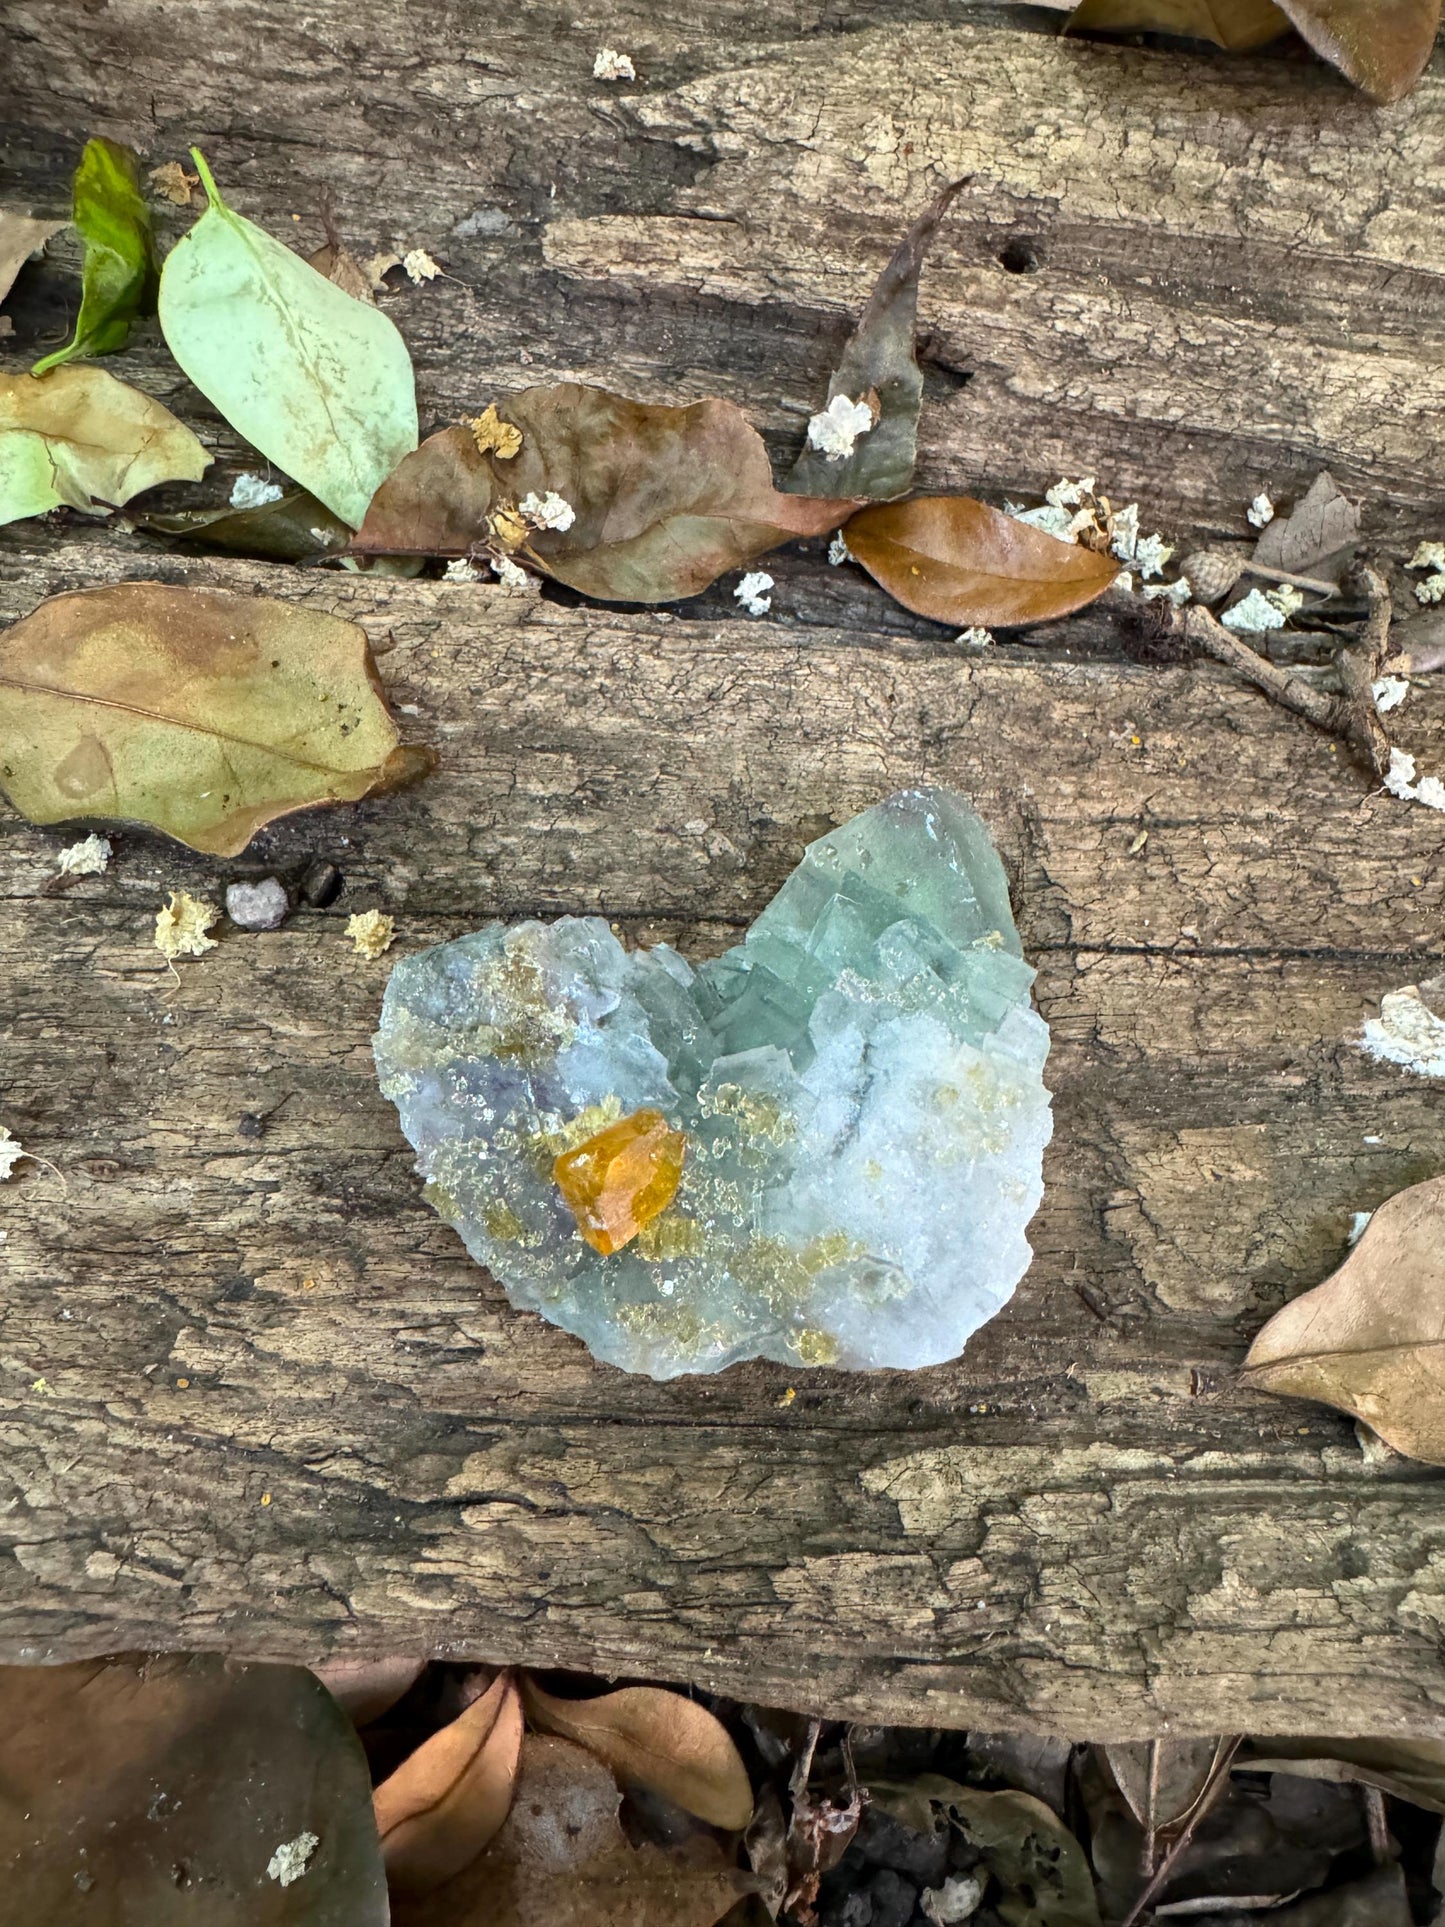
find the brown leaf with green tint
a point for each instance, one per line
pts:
(1037, 1862)
(1371, 1339)
(183, 1792)
(562, 1860)
(665, 499)
(961, 562)
(446, 1802)
(879, 358)
(1238, 25)
(295, 528)
(1383, 46)
(78, 437)
(660, 1739)
(201, 713)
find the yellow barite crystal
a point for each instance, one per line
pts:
(622, 1178)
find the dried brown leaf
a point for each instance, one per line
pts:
(961, 562)
(364, 1689)
(20, 237)
(562, 1860)
(879, 359)
(447, 1801)
(665, 1741)
(1381, 45)
(1162, 1780)
(664, 500)
(341, 266)
(172, 183)
(177, 1792)
(1238, 25)
(1036, 1861)
(1316, 536)
(200, 712)
(1371, 1339)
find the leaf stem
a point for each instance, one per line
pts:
(213, 193)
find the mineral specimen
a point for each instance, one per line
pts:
(823, 1147)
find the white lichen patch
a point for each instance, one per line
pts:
(419, 266)
(1286, 599)
(1146, 553)
(611, 65)
(292, 1858)
(1177, 592)
(1389, 692)
(11, 1152)
(508, 573)
(838, 551)
(975, 638)
(1260, 512)
(752, 592)
(1254, 614)
(837, 427)
(549, 511)
(182, 925)
(461, 570)
(254, 492)
(1429, 555)
(88, 858)
(1407, 1032)
(372, 932)
(1402, 780)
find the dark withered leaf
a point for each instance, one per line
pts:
(1316, 536)
(295, 528)
(665, 499)
(120, 276)
(1381, 45)
(961, 562)
(178, 1791)
(879, 359)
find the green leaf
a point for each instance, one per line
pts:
(80, 437)
(119, 279)
(317, 381)
(203, 713)
(879, 359)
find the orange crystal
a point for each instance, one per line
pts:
(621, 1179)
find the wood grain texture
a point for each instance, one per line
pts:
(252, 1393)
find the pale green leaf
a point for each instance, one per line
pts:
(320, 383)
(78, 436)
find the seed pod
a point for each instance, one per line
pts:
(1212, 574)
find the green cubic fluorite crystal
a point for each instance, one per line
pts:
(859, 1084)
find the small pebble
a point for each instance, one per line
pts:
(321, 884)
(257, 906)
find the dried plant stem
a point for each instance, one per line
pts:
(1313, 583)
(1213, 1787)
(1378, 1825)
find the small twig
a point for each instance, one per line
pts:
(1378, 1825)
(1211, 638)
(799, 1781)
(1313, 583)
(1214, 1786)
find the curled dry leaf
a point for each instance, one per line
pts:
(20, 237)
(879, 358)
(446, 1802)
(1238, 25)
(319, 382)
(1412, 1770)
(665, 499)
(293, 528)
(1317, 535)
(79, 436)
(667, 1742)
(120, 275)
(159, 1791)
(562, 1860)
(202, 713)
(1381, 45)
(364, 1689)
(1371, 1339)
(1162, 1780)
(961, 562)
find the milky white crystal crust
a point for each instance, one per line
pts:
(860, 1082)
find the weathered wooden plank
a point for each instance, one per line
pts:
(281, 1412)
